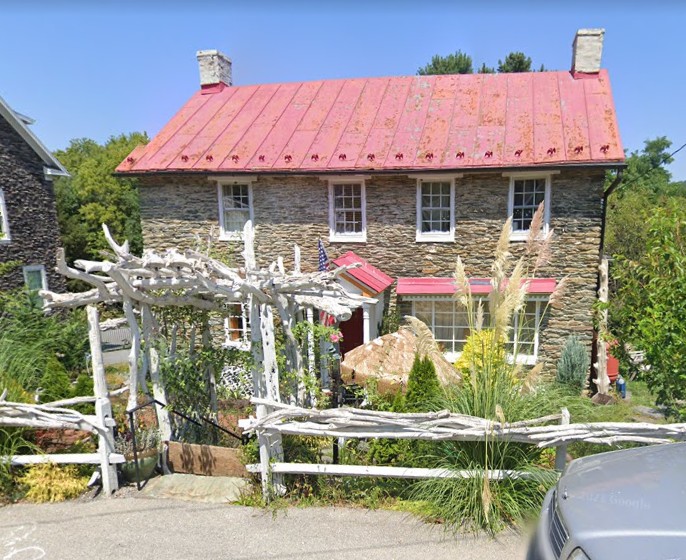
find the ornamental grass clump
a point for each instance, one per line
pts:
(497, 387)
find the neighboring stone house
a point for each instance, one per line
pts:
(403, 174)
(29, 234)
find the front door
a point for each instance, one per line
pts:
(352, 331)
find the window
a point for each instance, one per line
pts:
(35, 280)
(235, 208)
(4, 227)
(347, 212)
(236, 326)
(435, 210)
(449, 323)
(526, 194)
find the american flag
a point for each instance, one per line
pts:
(324, 318)
(323, 258)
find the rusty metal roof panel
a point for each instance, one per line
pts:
(404, 123)
(519, 123)
(367, 274)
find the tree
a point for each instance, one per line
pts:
(515, 62)
(456, 63)
(92, 196)
(649, 311)
(645, 186)
(461, 63)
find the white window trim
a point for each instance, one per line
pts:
(334, 236)
(525, 359)
(5, 221)
(441, 237)
(522, 235)
(221, 181)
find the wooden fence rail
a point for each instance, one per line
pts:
(548, 431)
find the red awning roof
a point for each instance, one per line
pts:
(403, 123)
(446, 286)
(367, 274)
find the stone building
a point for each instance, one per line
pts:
(29, 235)
(402, 174)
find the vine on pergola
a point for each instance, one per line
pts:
(193, 279)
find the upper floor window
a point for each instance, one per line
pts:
(4, 226)
(347, 210)
(35, 280)
(526, 194)
(435, 210)
(235, 207)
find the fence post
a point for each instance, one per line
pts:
(561, 451)
(103, 407)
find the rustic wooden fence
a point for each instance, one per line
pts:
(548, 431)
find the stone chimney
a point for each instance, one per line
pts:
(587, 51)
(215, 68)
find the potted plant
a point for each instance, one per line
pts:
(148, 449)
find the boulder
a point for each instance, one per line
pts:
(388, 359)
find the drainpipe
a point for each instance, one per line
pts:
(606, 196)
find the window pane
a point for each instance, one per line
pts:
(34, 280)
(435, 207)
(528, 195)
(347, 208)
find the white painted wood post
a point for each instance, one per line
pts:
(366, 332)
(561, 450)
(103, 408)
(311, 366)
(153, 359)
(134, 354)
(602, 380)
(265, 372)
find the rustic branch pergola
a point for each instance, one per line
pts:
(193, 279)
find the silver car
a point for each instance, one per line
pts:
(628, 504)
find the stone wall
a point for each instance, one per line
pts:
(31, 214)
(288, 210)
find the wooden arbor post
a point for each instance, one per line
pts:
(103, 407)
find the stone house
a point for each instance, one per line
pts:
(402, 174)
(29, 234)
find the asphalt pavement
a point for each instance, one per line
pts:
(150, 529)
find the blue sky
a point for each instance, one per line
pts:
(97, 69)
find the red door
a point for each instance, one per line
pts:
(352, 331)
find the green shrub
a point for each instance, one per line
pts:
(574, 363)
(55, 382)
(481, 350)
(423, 388)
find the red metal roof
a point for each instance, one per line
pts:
(446, 286)
(368, 274)
(404, 123)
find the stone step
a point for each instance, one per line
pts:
(209, 489)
